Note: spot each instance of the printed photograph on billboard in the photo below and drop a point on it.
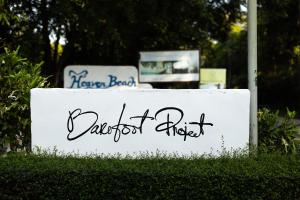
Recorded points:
(169, 66)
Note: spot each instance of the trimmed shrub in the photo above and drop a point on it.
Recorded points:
(17, 77)
(42, 177)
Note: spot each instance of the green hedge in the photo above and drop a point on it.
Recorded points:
(50, 177)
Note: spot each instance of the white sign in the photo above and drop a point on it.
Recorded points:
(169, 66)
(80, 76)
(145, 86)
(130, 122)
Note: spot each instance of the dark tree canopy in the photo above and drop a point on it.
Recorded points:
(114, 31)
(278, 54)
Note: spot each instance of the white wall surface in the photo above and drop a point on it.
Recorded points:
(70, 120)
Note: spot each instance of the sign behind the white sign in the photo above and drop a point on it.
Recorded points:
(131, 122)
(100, 77)
(169, 66)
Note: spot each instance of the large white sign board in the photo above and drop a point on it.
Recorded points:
(169, 66)
(99, 77)
(137, 121)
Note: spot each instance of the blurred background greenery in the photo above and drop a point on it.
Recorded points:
(112, 32)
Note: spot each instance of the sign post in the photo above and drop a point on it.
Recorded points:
(252, 68)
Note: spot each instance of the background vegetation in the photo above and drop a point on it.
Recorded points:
(17, 77)
(277, 134)
(278, 54)
(113, 32)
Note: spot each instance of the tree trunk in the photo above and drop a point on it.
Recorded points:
(47, 69)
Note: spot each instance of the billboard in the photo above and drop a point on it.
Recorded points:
(133, 122)
(169, 66)
(100, 77)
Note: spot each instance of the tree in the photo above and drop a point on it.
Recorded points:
(278, 54)
(113, 32)
(278, 60)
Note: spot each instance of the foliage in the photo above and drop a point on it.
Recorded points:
(17, 77)
(12, 25)
(278, 54)
(232, 55)
(241, 177)
(275, 133)
(113, 32)
(5, 16)
(278, 61)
